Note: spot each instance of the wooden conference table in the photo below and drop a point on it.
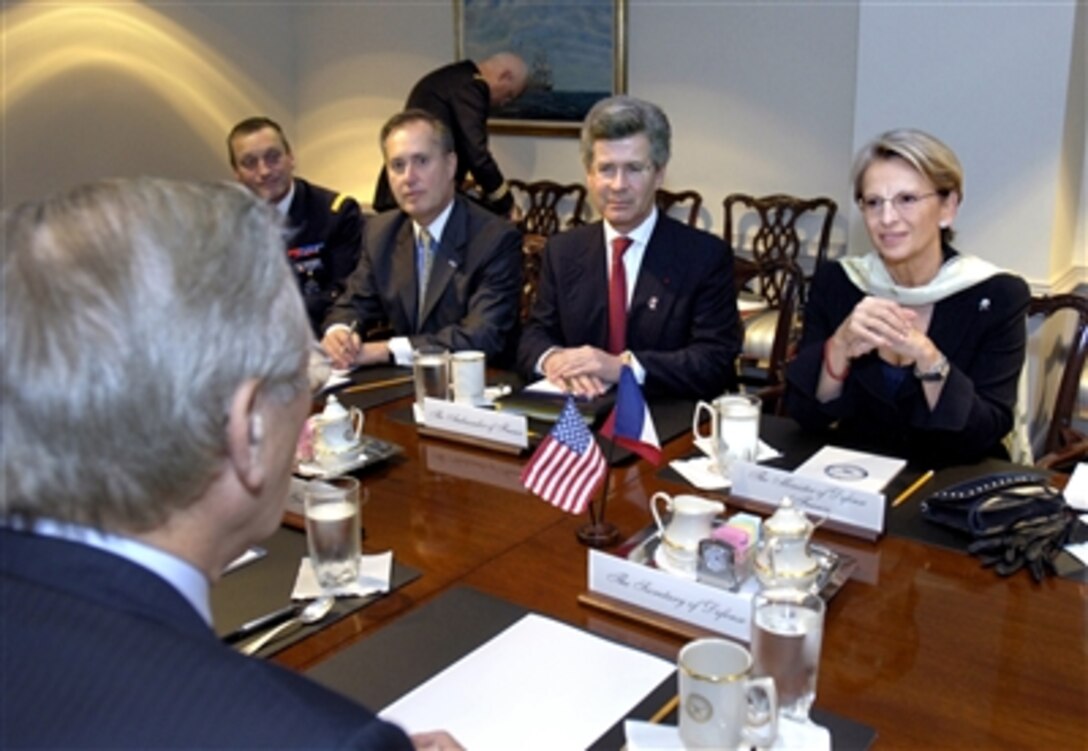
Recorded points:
(922, 644)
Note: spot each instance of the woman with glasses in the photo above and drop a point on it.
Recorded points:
(914, 349)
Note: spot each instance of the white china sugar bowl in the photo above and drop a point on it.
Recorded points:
(783, 558)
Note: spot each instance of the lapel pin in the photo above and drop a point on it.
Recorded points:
(984, 304)
(652, 303)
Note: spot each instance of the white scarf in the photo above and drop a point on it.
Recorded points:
(869, 274)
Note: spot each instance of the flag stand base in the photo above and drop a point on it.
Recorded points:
(600, 535)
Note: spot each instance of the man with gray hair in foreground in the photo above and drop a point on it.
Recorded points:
(154, 375)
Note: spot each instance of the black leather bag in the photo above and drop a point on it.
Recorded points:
(1016, 519)
(990, 506)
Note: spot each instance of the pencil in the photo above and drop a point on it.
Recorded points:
(662, 713)
(902, 497)
(399, 380)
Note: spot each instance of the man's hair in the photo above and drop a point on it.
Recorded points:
(252, 125)
(623, 116)
(399, 120)
(134, 309)
(927, 155)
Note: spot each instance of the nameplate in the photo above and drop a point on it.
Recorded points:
(853, 511)
(474, 422)
(690, 601)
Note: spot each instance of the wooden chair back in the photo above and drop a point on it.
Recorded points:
(769, 381)
(777, 240)
(532, 255)
(548, 207)
(1064, 444)
(688, 201)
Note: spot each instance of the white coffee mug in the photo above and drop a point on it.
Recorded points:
(721, 704)
(734, 429)
(467, 376)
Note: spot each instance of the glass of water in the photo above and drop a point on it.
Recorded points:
(787, 631)
(431, 370)
(333, 531)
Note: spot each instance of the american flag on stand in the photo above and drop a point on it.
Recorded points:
(568, 466)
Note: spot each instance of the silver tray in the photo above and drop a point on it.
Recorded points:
(372, 451)
(835, 568)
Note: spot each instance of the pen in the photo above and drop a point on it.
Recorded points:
(353, 331)
(902, 497)
(260, 623)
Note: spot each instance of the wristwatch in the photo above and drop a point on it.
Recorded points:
(937, 373)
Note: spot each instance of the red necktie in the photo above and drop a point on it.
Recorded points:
(617, 298)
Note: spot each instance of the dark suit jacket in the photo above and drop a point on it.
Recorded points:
(324, 232)
(474, 289)
(982, 332)
(682, 323)
(97, 652)
(458, 96)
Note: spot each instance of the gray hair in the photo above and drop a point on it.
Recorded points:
(134, 310)
(927, 155)
(622, 116)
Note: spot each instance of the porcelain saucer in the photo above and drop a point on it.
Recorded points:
(663, 561)
(345, 461)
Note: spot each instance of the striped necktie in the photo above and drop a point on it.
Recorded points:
(424, 262)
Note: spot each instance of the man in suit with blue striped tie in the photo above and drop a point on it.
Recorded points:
(437, 270)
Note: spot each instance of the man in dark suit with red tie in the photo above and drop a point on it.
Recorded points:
(438, 271)
(638, 288)
(155, 382)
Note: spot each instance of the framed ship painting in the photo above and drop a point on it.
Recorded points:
(575, 53)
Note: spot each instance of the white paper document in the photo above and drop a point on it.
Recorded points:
(543, 386)
(252, 554)
(540, 684)
(699, 470)
(859, 470)
(1078, 550)
(337, 378)
(803, 736)
(1076, 490)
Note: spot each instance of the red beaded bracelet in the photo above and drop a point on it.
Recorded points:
(840, 377)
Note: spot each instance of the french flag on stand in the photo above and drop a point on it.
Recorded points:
(630, 424)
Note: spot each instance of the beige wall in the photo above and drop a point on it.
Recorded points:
(993, 82)
(763, 97)
(95, 90)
